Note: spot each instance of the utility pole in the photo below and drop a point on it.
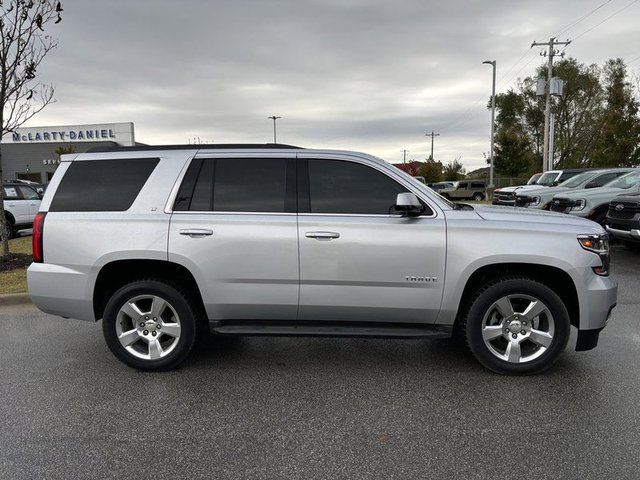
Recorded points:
(432, 135)
(404, 155)
(547, 108)
(493, 118)
(274, 118)
(552, 132)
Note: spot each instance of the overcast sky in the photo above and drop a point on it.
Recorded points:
(354, 74)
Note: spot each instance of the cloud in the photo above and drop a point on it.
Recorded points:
(354, 74)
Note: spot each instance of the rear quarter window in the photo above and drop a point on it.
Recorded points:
(102, 185)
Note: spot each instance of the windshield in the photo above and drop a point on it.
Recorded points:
(534, 179)
(626, 181)
(573, 182)
(548, 179)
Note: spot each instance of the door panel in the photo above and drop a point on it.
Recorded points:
(234, 225)
(31, 201)
(358, 260)
(247, 267)
(387, 269)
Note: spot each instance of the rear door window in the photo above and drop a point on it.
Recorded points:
(29, 193)
(251, 185)
(102, 185)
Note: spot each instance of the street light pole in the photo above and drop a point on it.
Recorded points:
(274, 118)
(493, 118)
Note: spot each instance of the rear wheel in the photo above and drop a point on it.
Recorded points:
(150, 325)
(478, 197)
(516, 326)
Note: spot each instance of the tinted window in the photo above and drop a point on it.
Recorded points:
(237, 185)
(477, 185)
(345, 187)
(203, 192)
(10, 193)
(29, 193)
(102, 185)
(566, 175)
(250, 185)
(462, 184)
(606, 178)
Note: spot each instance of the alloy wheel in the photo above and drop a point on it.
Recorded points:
(148, 327)
(518, 328)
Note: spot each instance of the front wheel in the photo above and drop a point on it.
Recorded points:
(516, 325)
(150, 325)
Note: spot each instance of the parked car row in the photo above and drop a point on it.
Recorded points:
(610, 197)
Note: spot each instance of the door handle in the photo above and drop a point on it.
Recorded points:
(196, 232)
(322, 235)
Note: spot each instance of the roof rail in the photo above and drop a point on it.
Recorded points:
(206, 146)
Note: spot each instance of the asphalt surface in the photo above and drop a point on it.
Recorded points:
(317, 408)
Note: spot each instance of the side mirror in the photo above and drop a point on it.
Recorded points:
(591, 184)
(408, 204)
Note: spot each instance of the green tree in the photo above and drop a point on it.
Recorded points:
(64, 149)
(453, 171)
(431, 171)
(513, 155)
(618, 139)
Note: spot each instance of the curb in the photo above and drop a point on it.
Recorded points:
(14, 299)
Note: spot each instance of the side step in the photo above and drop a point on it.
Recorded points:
(329, 329)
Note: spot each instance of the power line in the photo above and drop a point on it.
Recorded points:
(605, 19)
(583, 17)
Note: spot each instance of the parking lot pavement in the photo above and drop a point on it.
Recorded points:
(317, 408)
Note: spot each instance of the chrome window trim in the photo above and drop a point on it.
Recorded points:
(348, 157)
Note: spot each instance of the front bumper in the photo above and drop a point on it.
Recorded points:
(631, 234)
(597, 301)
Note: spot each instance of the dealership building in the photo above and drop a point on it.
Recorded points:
(30, 153)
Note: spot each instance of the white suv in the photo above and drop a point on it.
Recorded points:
(21, 203)
(165, 243)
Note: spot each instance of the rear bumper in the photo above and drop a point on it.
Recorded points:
(60, 291)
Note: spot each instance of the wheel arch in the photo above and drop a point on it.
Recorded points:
(9, 216)
(118, 273)
(553, 277)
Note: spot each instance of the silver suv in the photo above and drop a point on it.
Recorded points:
(166, 243)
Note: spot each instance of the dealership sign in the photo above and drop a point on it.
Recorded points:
(64, 135)
(120, 133)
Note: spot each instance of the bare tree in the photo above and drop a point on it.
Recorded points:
(23, 46)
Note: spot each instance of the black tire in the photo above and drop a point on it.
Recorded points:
(8, 230)
(180, 301)
(478, 197)
(480, 304)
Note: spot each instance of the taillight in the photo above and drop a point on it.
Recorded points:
(37, 237)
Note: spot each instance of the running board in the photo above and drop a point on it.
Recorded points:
(329, 329)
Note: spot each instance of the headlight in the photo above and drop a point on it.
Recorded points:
(598, 244)
(579, 204)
